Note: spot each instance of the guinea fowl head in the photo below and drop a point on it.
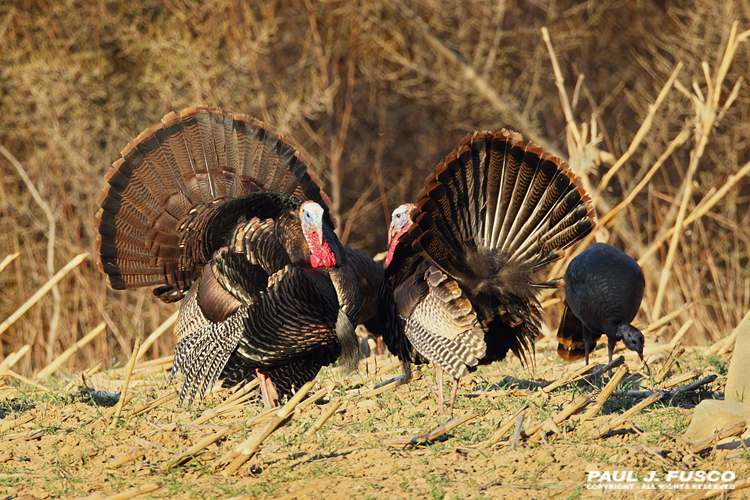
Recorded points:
(400, 223)
(632, 337)
(317, 235)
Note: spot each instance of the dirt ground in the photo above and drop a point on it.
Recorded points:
(68, 447)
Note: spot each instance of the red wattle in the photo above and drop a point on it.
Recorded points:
(394, 243)
(322, 256)
(389, 257)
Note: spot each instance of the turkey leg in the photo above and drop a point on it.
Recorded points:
(588, 343)
(439, 378)
(611, 347)
(267, 390)
(454, 391)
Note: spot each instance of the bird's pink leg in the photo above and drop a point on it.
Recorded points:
(439, 378)
(380, 347)
(267, 390)
(454, 391)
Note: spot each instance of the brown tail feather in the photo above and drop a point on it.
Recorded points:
(570, 336)
(536, 204)
(571, 346)
(527, 202)
(433, 239)
(453, 196)
(195, 145)
(539, 223)
(505, 159)
(171, 152)
(568, 231)
(178, 170)
(524, 178)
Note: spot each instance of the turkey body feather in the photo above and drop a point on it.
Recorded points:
(603, 292)
(464, 260)
(221, 210)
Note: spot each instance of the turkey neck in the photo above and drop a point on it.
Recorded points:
(350, 303)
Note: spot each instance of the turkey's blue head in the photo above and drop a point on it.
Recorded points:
(632, 337)
(317, 234)
(400, 223)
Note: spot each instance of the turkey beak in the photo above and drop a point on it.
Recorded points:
(640, 342)
(391, 234)
(317, 235)
(317, 228)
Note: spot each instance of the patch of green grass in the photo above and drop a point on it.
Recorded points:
(405, 485)
(13, 479)
(15, 407)
(577, 493)
(437, 482)
(62, 483)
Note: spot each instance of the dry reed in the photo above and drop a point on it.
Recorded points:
(242, 453)
(126, 384)
(606, 393)
(620, 419)
(433, 434)
(125, 495)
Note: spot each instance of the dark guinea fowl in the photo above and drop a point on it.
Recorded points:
(603, 291)
(221, 210)
(464, 261)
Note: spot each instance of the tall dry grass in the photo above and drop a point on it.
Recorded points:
(366, 90)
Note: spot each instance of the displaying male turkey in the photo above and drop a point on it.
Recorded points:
(221, 210)
(461, 279)
(603, 291)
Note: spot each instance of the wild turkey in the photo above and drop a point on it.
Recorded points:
(460, 287)
(603, 291)
(221, 210)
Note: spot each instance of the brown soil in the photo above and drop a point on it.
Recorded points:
(65, 450)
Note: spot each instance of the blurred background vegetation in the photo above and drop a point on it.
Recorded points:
(363, 89)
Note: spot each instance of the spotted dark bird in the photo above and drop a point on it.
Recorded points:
(603, 291)
(465, 261)
(220, 211)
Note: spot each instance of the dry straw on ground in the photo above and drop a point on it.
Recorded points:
(342, 436)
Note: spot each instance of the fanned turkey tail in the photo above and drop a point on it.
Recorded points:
(493, 215)
(177, 175)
